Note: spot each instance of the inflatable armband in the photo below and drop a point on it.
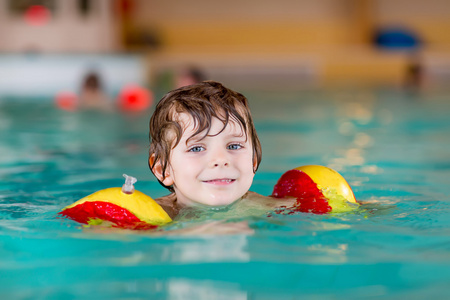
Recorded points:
(122, 207)
(318, 189)
(66, 101)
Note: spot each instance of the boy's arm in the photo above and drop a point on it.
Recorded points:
(169, 204)
(270, 201)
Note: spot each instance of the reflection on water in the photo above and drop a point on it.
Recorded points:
(183, 289)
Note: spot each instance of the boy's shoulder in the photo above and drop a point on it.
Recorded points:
(169, 204)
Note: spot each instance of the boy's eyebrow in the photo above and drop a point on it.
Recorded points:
(198, 138)
(195, 138)
(232, 135)
(242, 134)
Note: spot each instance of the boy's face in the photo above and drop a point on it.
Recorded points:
(216, 170)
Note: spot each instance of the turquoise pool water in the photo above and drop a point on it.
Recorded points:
(391, 146)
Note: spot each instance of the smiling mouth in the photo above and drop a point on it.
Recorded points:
(223, 181)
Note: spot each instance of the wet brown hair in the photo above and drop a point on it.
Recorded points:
(202, 101)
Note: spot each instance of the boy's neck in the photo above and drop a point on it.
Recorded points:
(201, 206)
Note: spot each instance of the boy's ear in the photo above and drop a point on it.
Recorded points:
(157, 171)
(255, 163)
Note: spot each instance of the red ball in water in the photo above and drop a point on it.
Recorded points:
(318, 189)
(66, 101)
(135, 98)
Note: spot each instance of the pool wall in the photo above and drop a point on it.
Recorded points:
(46, 75)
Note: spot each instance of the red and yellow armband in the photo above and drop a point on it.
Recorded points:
(122, 207)
(318, 189)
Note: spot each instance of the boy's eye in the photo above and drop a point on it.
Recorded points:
(196, 149)
(234, 146)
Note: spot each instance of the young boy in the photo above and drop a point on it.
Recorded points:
(204, 148)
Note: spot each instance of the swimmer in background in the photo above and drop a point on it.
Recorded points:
(205, 150)
(92, 96)
(188, 76)
(414, 75)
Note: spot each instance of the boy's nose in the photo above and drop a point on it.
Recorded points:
(220, 159)
(217, 164)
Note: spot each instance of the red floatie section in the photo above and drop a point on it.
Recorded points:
(106, 211)
(295, 183)
(66, 101)
(135, 98)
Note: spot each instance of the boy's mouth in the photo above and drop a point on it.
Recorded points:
(222, 181)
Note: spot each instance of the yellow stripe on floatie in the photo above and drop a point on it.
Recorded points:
(330, 182)
(138, 203)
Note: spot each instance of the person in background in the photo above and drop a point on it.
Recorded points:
(92, 96)
(188, 76)
(414, 74)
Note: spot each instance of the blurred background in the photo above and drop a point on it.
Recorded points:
(356, 85)
(48, 46)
